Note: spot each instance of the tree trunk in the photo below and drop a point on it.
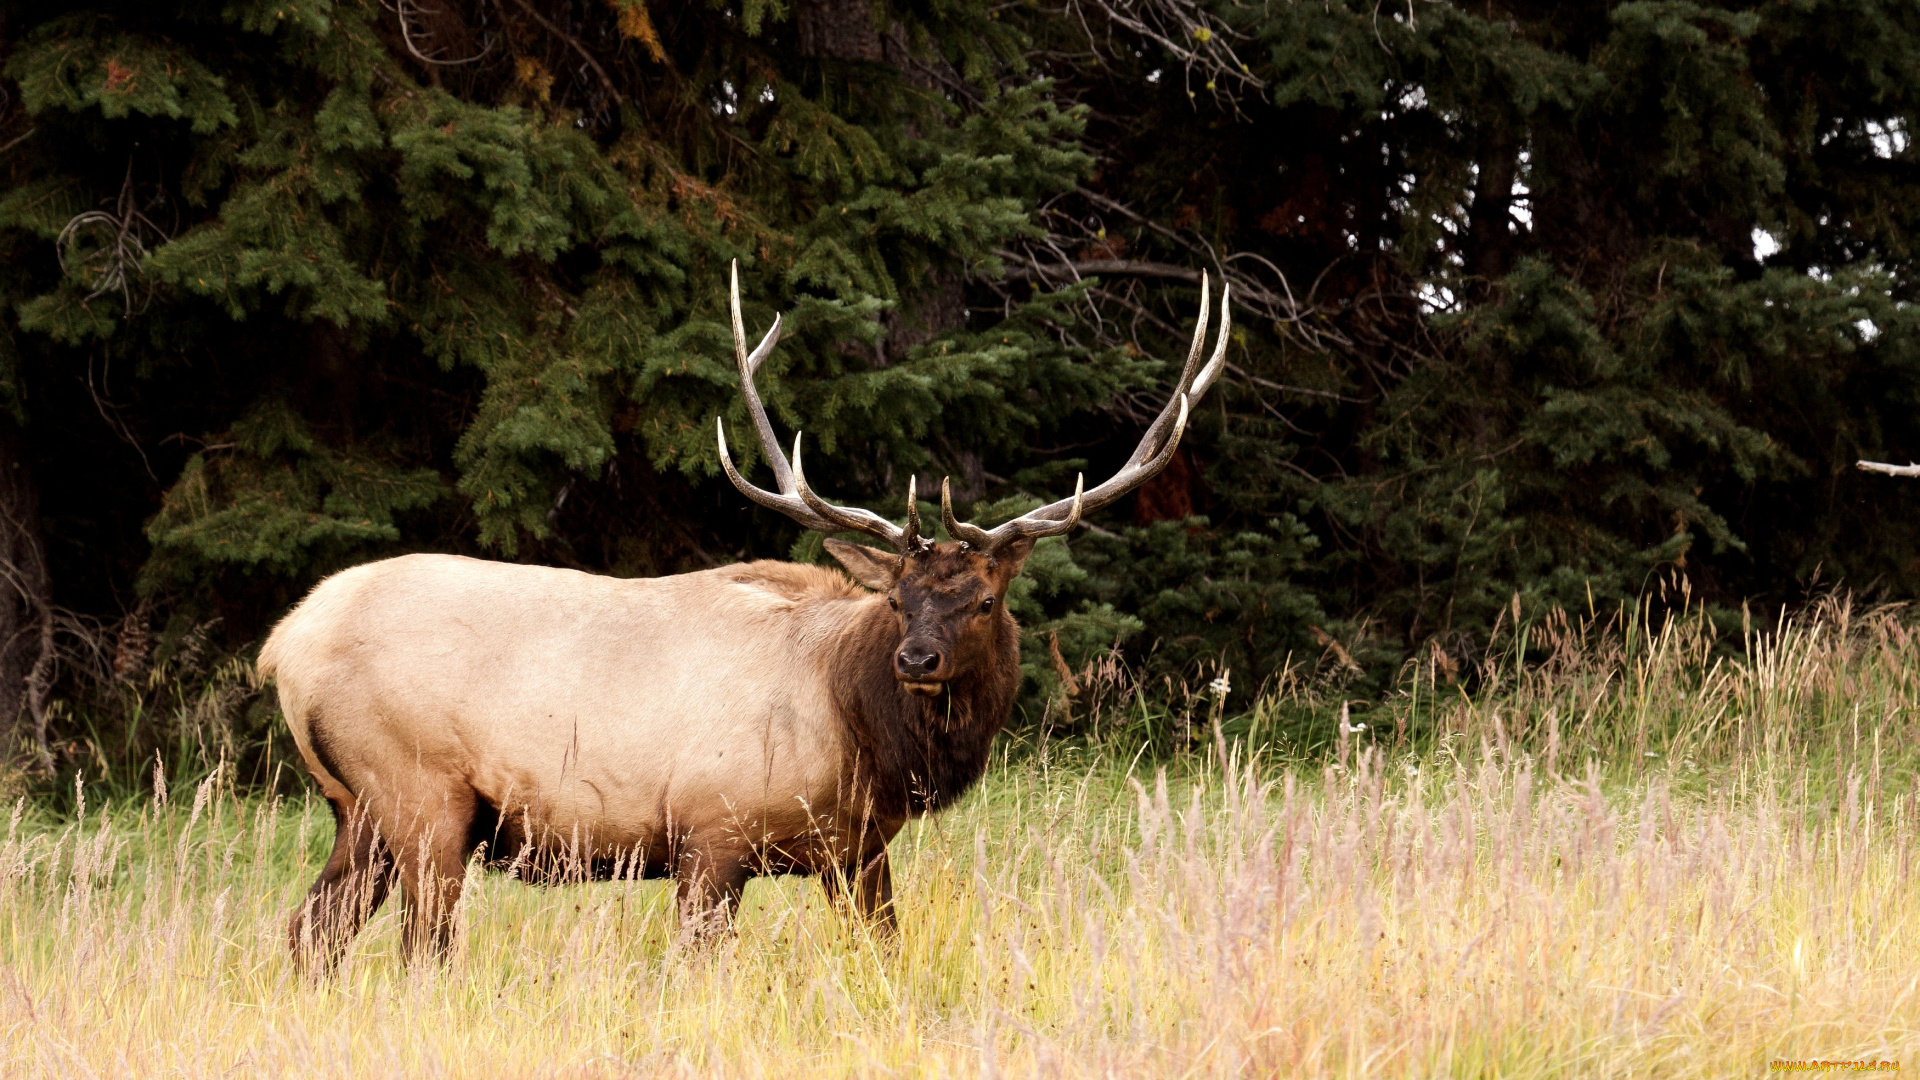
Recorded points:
(846, 30)
(26, 616)
(839, 30)
(1168, 496)
(1490, 219)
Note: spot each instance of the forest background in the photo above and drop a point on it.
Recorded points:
(1536, 306)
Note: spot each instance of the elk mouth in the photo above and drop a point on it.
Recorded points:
(923, 687)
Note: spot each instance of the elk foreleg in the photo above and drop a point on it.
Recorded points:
(349, 890)
(866, 888)
(711, 880)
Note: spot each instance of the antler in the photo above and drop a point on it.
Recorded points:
(799, 502)
(795, 499)
(1155, 450)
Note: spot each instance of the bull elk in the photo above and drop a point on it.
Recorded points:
(761, 718)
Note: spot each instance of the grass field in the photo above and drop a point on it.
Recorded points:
(1646, 852)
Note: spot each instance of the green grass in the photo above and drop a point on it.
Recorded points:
(1646, 851)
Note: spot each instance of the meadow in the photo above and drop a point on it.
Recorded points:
(1639, 847)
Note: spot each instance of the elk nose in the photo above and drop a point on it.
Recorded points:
(917, 665)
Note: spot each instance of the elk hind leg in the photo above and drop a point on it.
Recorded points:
(866, 888)
(430, 857)
(351, 887)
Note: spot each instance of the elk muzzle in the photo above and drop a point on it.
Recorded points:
(918, 667)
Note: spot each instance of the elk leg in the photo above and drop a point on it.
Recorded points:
(431, 860)
(349, 890)
(867, 889)
(710, 883)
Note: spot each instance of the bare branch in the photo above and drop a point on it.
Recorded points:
(1106, 267)
(1196, 40)
(1890, 470)
(605, 79)
(17, 140)
(120, 245)
(1274, 306)
(406, 35)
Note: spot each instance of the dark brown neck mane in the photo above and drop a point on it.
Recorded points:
(916, 754)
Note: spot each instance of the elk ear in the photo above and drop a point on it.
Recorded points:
(875, 569)
(1009, 559)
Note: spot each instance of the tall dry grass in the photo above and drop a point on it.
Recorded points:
(1646, 853)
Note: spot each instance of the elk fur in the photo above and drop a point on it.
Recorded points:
(710, 726)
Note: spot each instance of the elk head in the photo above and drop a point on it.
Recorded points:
(950, 599)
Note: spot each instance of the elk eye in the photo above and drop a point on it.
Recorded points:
(986, 605)
(893, 602)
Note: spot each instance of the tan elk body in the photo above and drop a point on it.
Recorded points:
(567, 696)
(761, 718)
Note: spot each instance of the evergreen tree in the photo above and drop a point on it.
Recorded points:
(1543, 303)
(293, 285)
(1534, 303)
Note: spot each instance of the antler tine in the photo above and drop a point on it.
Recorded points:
(914, 533)
(1155, 450)
(1199, 335)
(1150, 444)
(971, 535)
(789, 505)
(749, 365)
(1035, 528)
(850, 518)
(765, 348)
(1198, 388)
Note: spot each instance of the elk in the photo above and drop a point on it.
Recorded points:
(760, 718)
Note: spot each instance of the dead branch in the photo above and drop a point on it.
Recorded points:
(1086, 244)
(1890, 470)
(114, 261)
(606, 80)
(406, 36)
(1048, 263)
(1127, 267)
(1199, 42)
(17, 140)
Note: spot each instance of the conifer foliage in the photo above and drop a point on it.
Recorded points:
(295, 284)
(1538, 304)
(1547, 303)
